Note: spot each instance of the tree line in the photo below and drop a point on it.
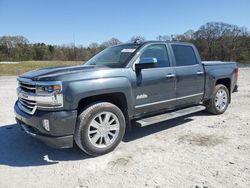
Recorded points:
(214, 40)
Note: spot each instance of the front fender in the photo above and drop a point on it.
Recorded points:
(78, 90)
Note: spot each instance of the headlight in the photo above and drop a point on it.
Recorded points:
(49, 96)
(50, 101)
(48, 89)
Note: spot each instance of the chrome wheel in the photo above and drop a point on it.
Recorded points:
(221, 100)
(103, 129)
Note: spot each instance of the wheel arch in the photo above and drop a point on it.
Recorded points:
(117, 98)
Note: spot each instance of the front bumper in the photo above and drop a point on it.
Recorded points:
(62, 126)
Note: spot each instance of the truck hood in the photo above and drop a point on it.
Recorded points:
(56, 72)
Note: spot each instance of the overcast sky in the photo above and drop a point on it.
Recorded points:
(64, 21)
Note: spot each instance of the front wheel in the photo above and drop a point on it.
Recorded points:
(219, 101)
(100, 128)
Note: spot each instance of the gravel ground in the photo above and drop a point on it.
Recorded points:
(198, 150)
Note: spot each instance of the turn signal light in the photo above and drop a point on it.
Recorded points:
(56, 87)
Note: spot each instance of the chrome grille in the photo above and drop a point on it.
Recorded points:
(27, 87)
(26, 108)
(28, 103)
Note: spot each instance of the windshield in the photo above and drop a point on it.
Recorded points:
(114, 57)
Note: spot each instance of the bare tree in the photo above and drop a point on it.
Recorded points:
(163, 38)
(111, 42)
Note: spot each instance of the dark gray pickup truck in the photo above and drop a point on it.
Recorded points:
(135, 83)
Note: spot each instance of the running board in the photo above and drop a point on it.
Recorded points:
(169, 115)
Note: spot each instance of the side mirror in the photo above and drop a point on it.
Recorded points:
(145, 63)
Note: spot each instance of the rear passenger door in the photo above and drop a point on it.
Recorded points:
(189, 75)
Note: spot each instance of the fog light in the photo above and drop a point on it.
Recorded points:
(46, 124)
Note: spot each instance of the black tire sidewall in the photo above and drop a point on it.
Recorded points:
(87, 146)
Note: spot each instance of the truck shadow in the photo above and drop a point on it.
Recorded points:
(139, 132)
(20, 150)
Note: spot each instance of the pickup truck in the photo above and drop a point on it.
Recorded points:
(128, 84)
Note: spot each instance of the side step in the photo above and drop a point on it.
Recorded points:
(169, 115)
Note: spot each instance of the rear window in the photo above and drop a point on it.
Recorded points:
(184, 55)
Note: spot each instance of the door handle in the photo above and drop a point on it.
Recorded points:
(170, 76)
(199, 72)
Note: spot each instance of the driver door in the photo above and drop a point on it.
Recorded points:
(154, 88)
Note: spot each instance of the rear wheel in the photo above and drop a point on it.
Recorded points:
(100, 128)
(219, 101)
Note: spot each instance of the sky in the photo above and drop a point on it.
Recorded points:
(82, 22)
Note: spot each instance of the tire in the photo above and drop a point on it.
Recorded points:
(101, 120)
(219, 101)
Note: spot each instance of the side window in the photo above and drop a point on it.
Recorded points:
(158, 51)
(184, 55)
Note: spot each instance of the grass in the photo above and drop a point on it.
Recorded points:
(25, 66)
(244, 64)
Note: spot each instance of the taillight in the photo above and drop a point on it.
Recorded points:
(236, 72)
